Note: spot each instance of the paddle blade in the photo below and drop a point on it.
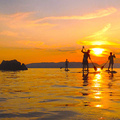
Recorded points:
(102, 67)
(95, 68)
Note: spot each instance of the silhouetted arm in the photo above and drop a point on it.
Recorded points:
(89, 57)
(82, 50)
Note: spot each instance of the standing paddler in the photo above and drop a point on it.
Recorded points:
(85, 58)
(111, 61)
(66, 65)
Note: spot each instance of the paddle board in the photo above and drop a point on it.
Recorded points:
(97, 72)
(111, 71)
(67, 70)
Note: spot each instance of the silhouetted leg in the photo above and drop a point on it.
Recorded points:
(83, 73)
(66, 67)
(87, 67)
(83, 67)
(112, 67)
(109, 66)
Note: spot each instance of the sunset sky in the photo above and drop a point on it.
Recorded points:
(54, 30)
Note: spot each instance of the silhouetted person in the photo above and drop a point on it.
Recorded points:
(85, 58)
(66, 65)
(111, 60)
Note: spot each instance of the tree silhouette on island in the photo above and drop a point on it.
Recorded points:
(12, 65)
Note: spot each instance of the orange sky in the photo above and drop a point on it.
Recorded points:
(43, 32)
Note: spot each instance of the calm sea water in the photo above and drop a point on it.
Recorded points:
(53, 94)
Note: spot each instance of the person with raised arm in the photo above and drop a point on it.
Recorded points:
(85, 58)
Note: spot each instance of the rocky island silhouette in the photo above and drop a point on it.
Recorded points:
(12, 65)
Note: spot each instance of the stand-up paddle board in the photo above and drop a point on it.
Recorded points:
(67, 70)
(96, 72)
(111, 71)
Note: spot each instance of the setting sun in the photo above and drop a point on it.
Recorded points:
(97, 51)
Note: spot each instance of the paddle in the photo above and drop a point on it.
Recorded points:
(103, 65)
(95, 68)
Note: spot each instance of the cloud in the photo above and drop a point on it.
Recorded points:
(27, 26)
(9, 33)
(101, 32)
(16, 16)
(97, 38)
(21, 20)
(96, 43)
(100, 13)
(67, 50)
(97, 14)
(26, 19)
(30, 43)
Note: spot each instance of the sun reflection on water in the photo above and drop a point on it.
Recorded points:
(97, 81)
(98, 105)
(98, 69)
(97, 93)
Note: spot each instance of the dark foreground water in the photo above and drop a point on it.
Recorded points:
(53, 94)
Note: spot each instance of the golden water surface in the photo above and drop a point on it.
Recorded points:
(53, 94)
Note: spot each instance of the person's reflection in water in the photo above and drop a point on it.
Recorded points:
(111, 82)
(66, 74)
(85, 79)
(111, 76)
(85, 83)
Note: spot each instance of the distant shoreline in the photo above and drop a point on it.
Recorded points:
(62, 65)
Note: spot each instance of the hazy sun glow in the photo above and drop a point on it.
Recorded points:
(98, 43)
(98, 105)
(54, 36)
(97, 51)
(98, 69)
